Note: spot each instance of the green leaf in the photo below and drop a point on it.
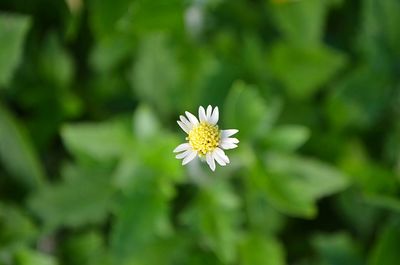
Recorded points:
(56, 63)
(294, 184)
(347, 107)
(261, 215)
(138, 17)
(104, 16)
(337, 249)
(168, 251)
(287, 137)
(357, 212)
(386, 249)
(141, 218)
(100, 141)
(301, 22)
(17, 153)
(252, 120)
(88, 248)
(258, 250)
(155, 16)
(200, 258)
(379, 35)
(214, 220)
(155, 161)
(13, 29)
(27, 256)
(83, 197)
(145, 123)
(156, 74)
(147, 179)
(16, 228)
(303, 70)
(371, 177)
(336, 3)
(387, 202)
(109, 52)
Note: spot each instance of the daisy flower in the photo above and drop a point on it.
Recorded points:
(205, 139)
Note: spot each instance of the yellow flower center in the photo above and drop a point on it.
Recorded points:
(204, 138)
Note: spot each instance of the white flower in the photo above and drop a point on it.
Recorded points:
(204, 138)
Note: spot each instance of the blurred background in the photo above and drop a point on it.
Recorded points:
(90, 92)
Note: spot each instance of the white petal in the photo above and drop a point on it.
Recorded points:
(189, 157)
(214, 117)
(183, 126)
(230, 140)
(227, 133)
(210, 161)
(192, 118)
(183, 154)
(209, 111)
(181, 147)
(219, 152)
(218, 159)
(226, 146)
(186, 122)
(202, 114)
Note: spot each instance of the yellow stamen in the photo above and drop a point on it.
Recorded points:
(204, 138)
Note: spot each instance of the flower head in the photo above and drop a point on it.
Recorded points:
(205, 139)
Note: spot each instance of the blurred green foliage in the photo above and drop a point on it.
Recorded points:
(89, 94)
